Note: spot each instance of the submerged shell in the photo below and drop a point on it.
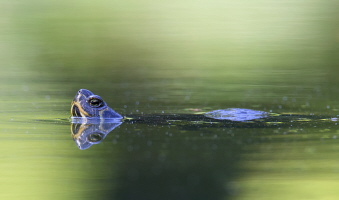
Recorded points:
(236, 114)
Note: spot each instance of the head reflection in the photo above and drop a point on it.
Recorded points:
(85, 135)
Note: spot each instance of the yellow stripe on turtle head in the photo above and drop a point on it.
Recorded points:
(77, 105)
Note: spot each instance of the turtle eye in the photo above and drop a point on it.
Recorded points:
(95, 102)
(95, 137)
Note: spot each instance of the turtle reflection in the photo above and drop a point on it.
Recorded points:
(85, 135)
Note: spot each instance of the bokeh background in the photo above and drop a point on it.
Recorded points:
(161, 57)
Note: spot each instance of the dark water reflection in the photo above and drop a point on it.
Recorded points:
(176, 167)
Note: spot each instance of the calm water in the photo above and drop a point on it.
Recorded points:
(146, 57)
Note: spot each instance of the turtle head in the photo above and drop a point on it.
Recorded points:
(88, 105)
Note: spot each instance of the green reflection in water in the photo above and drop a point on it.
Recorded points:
(154, 57)
(301, 164)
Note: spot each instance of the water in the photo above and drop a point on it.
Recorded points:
(146, 57)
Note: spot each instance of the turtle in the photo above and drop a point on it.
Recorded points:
(92, 119)
(87, 107)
